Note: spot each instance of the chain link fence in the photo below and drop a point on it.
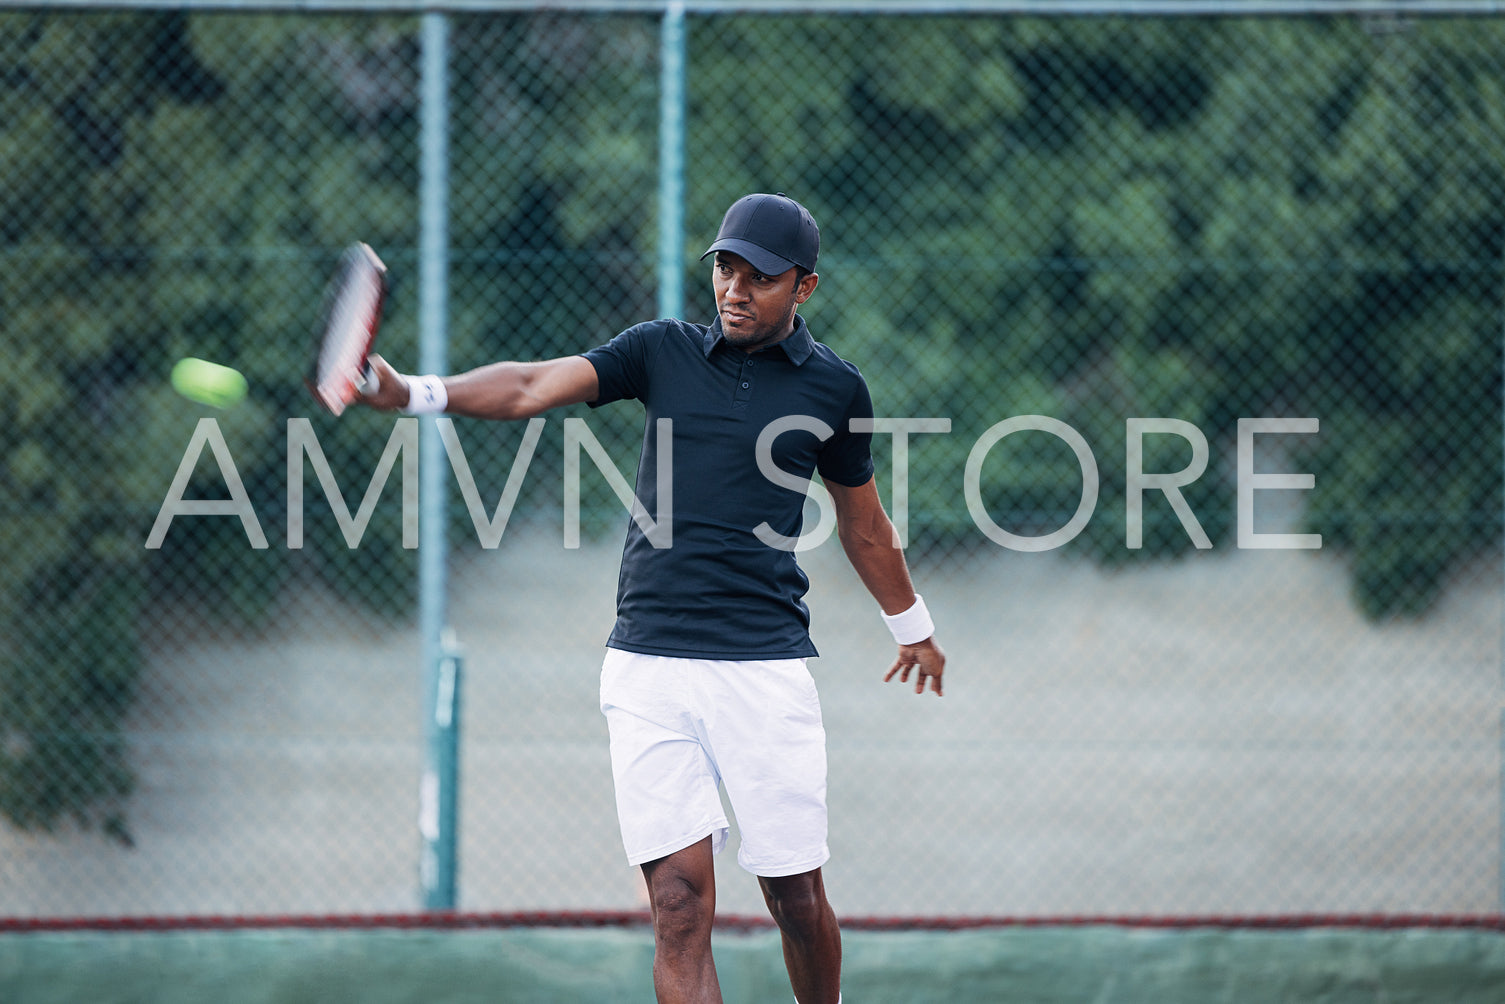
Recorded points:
(1242, 274)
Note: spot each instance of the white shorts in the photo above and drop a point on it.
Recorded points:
(680, 727)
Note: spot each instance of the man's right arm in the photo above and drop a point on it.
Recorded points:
(505, 390)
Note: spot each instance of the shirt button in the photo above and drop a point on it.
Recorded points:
(744, 385)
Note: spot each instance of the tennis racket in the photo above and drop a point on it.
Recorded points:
(352, 313)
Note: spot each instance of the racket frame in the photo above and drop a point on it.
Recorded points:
(333, 383)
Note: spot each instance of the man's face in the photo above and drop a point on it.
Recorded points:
(756, 310)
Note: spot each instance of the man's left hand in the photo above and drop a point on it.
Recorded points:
(925, 659)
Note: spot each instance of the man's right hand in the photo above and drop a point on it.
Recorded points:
(391, 393)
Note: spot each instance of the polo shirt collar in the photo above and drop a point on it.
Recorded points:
(798, 346)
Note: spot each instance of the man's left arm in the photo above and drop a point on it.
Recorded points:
(872, 546)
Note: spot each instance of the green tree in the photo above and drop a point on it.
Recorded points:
(1197, 218)
(168, 193)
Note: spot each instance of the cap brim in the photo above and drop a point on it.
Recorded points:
(758, 257)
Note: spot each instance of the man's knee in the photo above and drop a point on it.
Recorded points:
(680, 907)
(796, 902)
(682, 894)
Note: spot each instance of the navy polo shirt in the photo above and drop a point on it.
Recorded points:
(717, 591)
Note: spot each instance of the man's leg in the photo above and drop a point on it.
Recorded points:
(682, 894)
(812, 939)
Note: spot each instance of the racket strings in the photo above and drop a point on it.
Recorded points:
(352, 315)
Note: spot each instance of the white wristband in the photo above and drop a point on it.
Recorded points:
(913, 625)
(426, 395)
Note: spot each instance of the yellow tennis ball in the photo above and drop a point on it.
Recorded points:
(208, 383)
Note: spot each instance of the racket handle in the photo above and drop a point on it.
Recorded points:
(369, 383)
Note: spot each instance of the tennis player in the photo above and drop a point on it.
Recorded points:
(705, 678)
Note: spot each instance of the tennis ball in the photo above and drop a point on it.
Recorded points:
(208, 383)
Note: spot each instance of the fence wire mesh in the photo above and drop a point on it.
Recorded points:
(1218, 250)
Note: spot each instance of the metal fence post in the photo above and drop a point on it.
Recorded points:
(437, 804)
(671, 162)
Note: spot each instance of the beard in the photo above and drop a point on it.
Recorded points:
(750, 333)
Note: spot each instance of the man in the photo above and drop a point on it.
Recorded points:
(711, 630)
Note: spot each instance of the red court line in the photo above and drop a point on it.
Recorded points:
(458, 920)
(1379, 921)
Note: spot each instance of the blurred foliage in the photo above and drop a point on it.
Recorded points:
(1093, 219)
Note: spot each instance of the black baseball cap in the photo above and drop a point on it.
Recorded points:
(773, 232)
